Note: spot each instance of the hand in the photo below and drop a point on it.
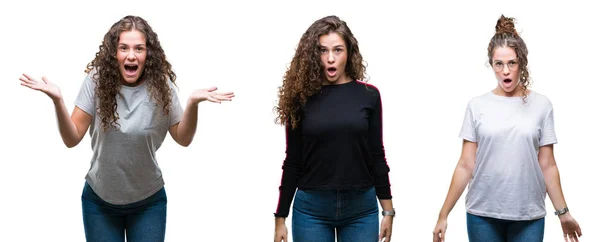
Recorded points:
(570, 227)
(439, 232)
(210, 95)
(44, 86)
(280, 232)
(386, 228)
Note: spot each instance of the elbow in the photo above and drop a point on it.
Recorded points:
(547, 167)
(184, 143)
(292, 167)
(182, 140)
(70, 144)
(466, 165)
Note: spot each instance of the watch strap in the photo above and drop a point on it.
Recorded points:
(389, 213)
(561, 211)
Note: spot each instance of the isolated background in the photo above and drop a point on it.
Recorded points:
(427, 59)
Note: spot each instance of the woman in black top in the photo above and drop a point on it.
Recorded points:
(335, 155)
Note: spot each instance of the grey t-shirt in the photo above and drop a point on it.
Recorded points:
(124, 168)
(507, 181)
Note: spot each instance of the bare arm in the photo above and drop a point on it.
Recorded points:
(386, 204)
(460, 179)
(385, 230)
(73, 128)
(547, 162)
(551, 176)
(183, 132)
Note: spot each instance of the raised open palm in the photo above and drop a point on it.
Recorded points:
(210, 95)
(44, 86)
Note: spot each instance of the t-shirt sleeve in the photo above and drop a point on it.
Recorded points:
(176, 113)
(86, 98)
(468, 132)
(548, 135)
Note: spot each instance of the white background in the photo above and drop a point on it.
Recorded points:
(427, 59)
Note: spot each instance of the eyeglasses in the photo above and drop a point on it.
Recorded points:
(512, 65)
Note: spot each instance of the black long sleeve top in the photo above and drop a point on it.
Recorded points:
(337, 145)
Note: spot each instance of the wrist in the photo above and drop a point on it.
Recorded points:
(279, 220)
(561, 211)
(564, 216)
(389, 213)
(192, 103)
(57, 100)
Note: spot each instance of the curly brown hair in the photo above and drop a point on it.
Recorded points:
(506, 36)
(305, 74)
(157, 71)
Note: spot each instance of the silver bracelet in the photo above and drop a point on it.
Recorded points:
(561, 211)
(389, 213)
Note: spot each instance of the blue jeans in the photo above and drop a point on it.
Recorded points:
(143, 221)
(498, 230)
(319, 215)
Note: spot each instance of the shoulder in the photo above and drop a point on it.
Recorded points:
(171, 84)
(479, 99)
(368, 88)
(91, 77)
(540, 99)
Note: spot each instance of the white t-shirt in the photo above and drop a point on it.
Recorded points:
(507, 181)
(124, 168)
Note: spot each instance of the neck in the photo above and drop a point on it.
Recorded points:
(135, 84)
(518, 91)
(342, 80)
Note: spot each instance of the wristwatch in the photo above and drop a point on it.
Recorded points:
(561, 211)
(389, 213)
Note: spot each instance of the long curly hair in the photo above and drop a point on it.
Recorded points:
(506, 36)
(305, 74)
(157, 71)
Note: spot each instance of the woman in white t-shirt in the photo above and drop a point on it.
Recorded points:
(507, 156)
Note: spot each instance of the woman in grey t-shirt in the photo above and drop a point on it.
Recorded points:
(129, 103)
(507, 156)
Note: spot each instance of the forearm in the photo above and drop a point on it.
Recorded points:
(386, 204)
(279, 220)
(187, 127)
(552, 179)
(67, 128)
(460, 179)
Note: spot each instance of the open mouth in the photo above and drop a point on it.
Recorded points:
(331, 71)
(507, 81)
(131, 69)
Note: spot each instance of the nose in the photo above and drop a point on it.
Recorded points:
(131, 56)
(330, 58)
(505, 70)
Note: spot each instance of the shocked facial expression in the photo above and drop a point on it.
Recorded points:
(131, 55)
(506, 68)
(334, 55)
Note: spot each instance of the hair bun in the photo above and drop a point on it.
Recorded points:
(506, 26)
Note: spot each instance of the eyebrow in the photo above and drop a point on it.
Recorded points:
(337, 46)
(138, 45)
(508, 60)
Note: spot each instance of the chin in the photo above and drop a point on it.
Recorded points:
(129, 80)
